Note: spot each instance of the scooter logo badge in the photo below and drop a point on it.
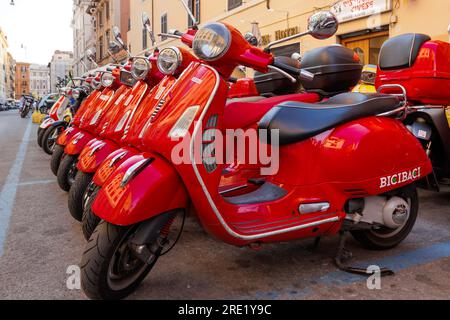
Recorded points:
(400, 178)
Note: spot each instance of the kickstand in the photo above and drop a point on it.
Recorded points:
(343, 255)
(315, 245)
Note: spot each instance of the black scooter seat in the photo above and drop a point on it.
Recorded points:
(297, 121)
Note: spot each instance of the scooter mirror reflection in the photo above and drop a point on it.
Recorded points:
(114, 47)
(148, 26)
(118, 36)
(323, 25)
(250, 37)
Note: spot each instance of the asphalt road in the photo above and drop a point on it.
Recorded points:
(39, 242)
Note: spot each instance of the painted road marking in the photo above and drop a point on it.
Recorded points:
(8, 193)
(397, 263)
(33, 183)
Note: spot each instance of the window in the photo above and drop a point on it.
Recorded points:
(144, 39)
(129, 24)
(194, 5)
(234, 4)
(164, 25)
(100, 19)
(107, 10)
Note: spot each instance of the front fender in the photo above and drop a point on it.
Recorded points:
(67, 135)
(111, 163)
(155, 189)
(77, 143)
(47, 123)
(57, 124)
(93, 155)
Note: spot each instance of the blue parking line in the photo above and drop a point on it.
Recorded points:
(397, 263)
(9, 191)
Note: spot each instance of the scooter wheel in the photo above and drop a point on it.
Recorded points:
(90, 221)
(58, 152)
(40, 135)
(109, 270)
(49, 140)
(67, 171)
(384, 238)
(76, 194)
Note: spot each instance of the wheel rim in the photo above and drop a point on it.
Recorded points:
(72, 173)
(125, 268)
(385, 232)
(52, 140)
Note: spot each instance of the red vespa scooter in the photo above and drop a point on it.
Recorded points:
(77, 122)
(108, 139)
(337, 173)
(246, 105)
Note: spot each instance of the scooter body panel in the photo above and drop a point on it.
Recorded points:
(155, 190)
(67, 135)
(78, 142)
(94, 154)
(47, 123)
(112, 163)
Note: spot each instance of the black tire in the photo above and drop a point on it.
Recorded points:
(90, 221)
(76, 194)
(24, 113)
(376, 240)
(40, 135)
(58, 152)
(67, 172)
(48, 141)
(98, 262)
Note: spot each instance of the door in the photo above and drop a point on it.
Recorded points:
(367, 46)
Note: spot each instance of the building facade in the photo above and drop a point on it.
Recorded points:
(83, 35)
(39, 80)
(3, 65)
(60, 66)
(10, 77)
(364, 24)
(22, 79)
(107, 14)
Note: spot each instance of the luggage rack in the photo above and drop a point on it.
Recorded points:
(404, 108)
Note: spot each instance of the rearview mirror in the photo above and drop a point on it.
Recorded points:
(148, 26)
(323, 25)
(118, 36)
(114, 47)
(90, 54)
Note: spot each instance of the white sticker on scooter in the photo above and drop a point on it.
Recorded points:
(104, 97)
(120, 99)
(129, 100)
(160, 93)
(197, 80)
(400, 178)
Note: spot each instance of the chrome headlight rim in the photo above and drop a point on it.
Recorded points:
(196, 45)
(107, 79)
(133, 69)
(175, 66)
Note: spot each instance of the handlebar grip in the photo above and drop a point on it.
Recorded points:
(306, 75)
(178, 33)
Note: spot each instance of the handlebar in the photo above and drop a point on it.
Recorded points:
(288, 71)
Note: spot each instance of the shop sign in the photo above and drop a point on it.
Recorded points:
(347, 10)
(280, 34)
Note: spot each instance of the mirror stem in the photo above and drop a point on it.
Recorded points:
(295, 36)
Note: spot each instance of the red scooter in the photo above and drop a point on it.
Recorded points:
(420, 67)
(239, 113)
(346, 164)
(77, 122)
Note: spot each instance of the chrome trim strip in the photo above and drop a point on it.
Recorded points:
(117, 158)
(208, 195)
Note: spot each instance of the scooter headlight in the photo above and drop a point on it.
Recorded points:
(140, 68)
(169, 59)
(107, 79)
(212, 42)
(75, 94)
